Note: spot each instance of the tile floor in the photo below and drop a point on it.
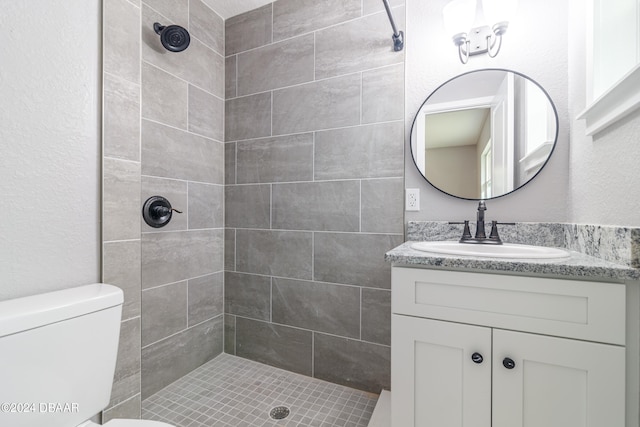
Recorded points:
(236, 392)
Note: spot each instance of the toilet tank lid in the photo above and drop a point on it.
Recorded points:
(21, 314)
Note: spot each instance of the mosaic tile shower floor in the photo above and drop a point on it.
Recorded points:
(236, 392)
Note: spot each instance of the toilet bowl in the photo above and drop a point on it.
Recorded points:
(59, 354)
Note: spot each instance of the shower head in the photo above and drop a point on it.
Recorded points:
(174, 38)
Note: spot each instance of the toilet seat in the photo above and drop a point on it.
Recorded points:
(136, 423)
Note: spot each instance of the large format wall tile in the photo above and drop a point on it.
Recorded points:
(164, 97)
(277, 253)
(230, 86)
(294, 17)
(121, 119)
(126, 379)
(172, 190)
(248, 117)
(370, 151)
(172, 153)
(280, 159)
(229, 249)
(331, 206)
(230, 163)
(121, 45)
(170, 359)
(174, 10)
(372, 6)
(352, 363)
(383, 94)
(277, 65)
(206, 205)
(198, 64)
(121, 267)
(325, 104)
(351, 258)
(230, 334)
(206, 25)
(369, 46)
(381, 205)
(179, 255)
(248, 30)
(376, 316)
(317, 306)
(206, 114)
(206, 297)
(276, 345)
(247, 295)
(129, 409)
(164, 311)
(248, 206)
(121, 200)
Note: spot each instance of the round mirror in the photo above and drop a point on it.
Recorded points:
(484, 134)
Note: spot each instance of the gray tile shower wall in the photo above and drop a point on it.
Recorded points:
(313, 187)
(163, 135)
(121, 182)
(182, 159)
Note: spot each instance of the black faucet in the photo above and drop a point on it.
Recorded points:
(481, 235)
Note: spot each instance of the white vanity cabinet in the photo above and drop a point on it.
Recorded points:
(487, 350)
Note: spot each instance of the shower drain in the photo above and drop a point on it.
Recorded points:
(279, 412)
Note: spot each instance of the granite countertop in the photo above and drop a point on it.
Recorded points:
(577, 266)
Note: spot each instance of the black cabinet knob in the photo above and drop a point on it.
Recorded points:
(508, 363)
(477, 358)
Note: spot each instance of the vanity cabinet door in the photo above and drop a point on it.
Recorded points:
(441, 374)
(556, 382)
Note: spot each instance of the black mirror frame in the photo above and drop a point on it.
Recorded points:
(555, 143)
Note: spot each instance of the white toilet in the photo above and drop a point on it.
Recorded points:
(57, 358)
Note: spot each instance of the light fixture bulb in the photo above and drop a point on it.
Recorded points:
(498, 13)
(459, 16)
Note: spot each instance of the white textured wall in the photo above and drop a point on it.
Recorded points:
(605, 168)
(49, 145)
(535, 45)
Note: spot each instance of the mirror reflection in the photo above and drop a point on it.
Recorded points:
(484, 134)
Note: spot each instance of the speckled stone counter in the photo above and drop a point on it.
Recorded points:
(616, 249)
(578, 266)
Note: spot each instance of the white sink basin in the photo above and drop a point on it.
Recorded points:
(506, 250)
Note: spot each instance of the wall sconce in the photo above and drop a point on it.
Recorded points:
(460, 15)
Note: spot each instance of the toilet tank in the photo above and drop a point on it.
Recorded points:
(57, 355)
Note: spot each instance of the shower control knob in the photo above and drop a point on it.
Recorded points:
(477, 358)
(508, 363)
(157, 211)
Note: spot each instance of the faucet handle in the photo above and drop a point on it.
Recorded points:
(494, 229)
(466, 233)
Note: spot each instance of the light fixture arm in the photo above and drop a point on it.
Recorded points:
(462, 42)
(491, 41)
(498, 30)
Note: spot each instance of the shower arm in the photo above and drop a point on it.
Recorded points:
(398, 36)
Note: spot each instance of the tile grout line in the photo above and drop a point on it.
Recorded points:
(304, 132)
(361, 313)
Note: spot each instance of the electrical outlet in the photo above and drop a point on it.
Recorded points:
(412, 199)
